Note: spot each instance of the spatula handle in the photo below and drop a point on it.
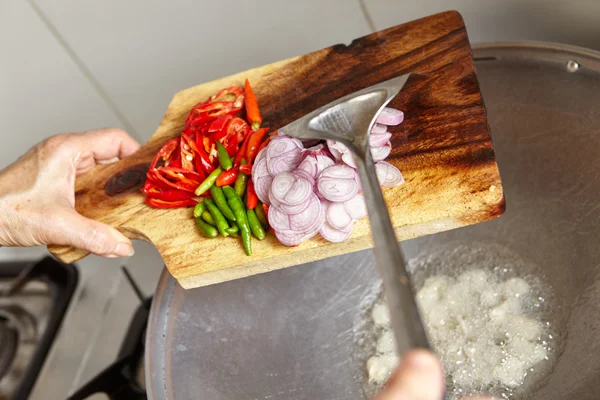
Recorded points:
(404, 314)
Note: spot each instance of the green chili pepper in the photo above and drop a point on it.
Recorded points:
(199, 209)
(208, 182)
(219, 199)
(260, 213)
(255, 226)
(241, 182)
(220, 220)
(233, 230)
(241, 219)
(208, 230)
(208, 218)
(224, 159)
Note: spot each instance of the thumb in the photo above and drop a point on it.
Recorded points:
(92, 236)
(419, 377)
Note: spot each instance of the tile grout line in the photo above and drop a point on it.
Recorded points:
(87, 73)
(367, 15)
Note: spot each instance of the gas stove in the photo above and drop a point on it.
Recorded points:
(33, 300)
(73, 331)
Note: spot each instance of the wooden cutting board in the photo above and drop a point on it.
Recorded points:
(443, 148)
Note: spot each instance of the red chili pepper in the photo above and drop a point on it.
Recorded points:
(254, 143)
(232, 146)
(234, 94)
(189, 151)
(251, 198)
(265, 143)
(220, 123)
(202, 161)
(157, 203)
(241, 153)
(206, 144)
(179, 178)
(168, 195)
(227, 177)
(239, 128)
(246, 169)
(252, 111)
(165, 153)
(266, 210)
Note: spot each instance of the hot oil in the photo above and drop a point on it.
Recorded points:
(462, 322)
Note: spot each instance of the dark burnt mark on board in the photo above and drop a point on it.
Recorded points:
(127, 180)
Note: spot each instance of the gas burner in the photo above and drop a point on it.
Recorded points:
(33, 300)
(9, 339)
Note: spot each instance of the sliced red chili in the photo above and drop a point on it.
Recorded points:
(157, 203)
(238, 127)
(179, 178)
(188, 152)
(234, 94)
(168, 195)
(165, 153)
(220, 123)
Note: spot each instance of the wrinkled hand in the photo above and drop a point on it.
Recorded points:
(37, 196)
(418, 377)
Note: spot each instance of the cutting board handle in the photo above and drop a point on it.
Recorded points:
(111, 194)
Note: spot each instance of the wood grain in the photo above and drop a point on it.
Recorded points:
(443, 148)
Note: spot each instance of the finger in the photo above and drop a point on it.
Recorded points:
(419, 377)
(95, 237)
(106, 144)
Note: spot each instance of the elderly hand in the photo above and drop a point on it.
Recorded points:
(37, 196)
(418, 377)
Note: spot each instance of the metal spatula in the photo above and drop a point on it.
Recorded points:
(349, 120)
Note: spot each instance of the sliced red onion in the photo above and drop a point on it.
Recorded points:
(379, 140)
(338, 183)
(261, 154)
(388, 175)
(281, 145)
(323, 162)
(302, 173)
(337, 155)
(381, 153)
(259, 169)
(338, 217)
(390, 116)
(378, 129)
(356, 207)
(293, 238)
(331, 234)
(291, 190)
(284, 163)
(305, 221)
(339, 171)
(262, 186)
(288, 209)
(309, 165)
(348, 158)
(278, 220)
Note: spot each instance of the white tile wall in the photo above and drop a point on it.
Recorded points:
(41, 90)
(144, 51)
(573, 22)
